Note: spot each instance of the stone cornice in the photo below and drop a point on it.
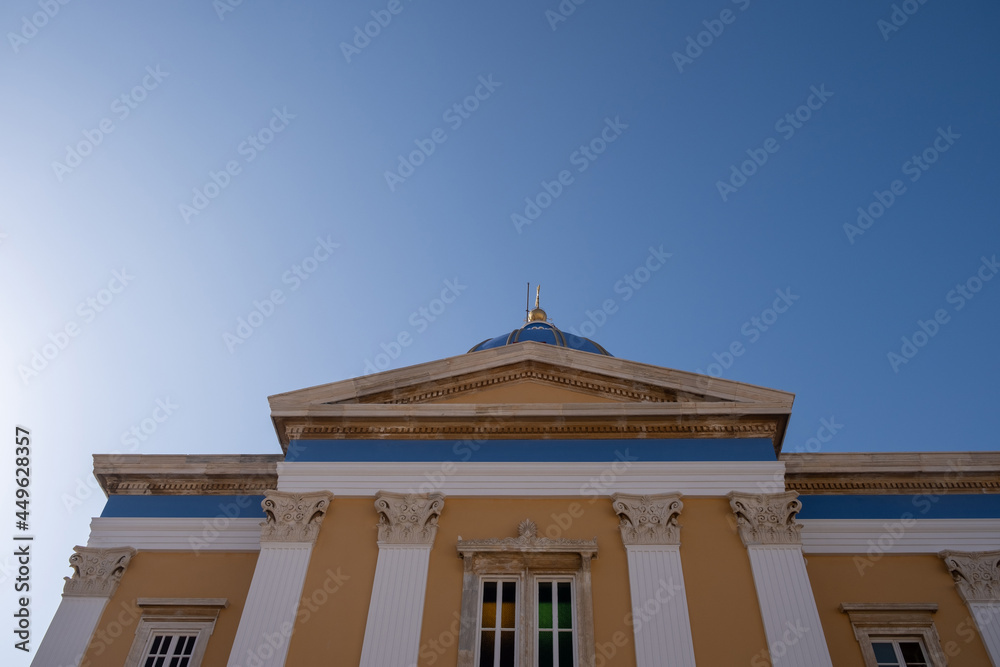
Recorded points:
(293, 517)
(767, 518)
(649, 519)
(893, 472)
(976, 574)
(96, 572)
(407, 518)
(529, 421)
(498, 359)
(135, 474)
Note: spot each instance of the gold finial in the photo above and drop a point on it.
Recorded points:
(537, 315)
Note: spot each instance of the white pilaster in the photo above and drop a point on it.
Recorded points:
(987, 615)
(96, 573)
(651, 534)
(977, 577)
(286, 543)
(767, 526)
(407, 526)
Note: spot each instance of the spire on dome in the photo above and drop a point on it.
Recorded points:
(537, 315)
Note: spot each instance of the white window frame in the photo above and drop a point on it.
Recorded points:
(894, 641)
(518, 610)
(174, 616)
(895, 622)
(535, 629)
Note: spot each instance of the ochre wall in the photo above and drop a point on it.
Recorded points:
(726, 624)
(481, 518)
(904, 578)
(161, 574)
(330, 626)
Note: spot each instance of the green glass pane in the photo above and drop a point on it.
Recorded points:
(486, 644)
(507, 648)
(565, 649)
(565, 605)
(884, 654)
(913, 655)
(545, 658)
(545, 604)
(489, 604)
(508, 605)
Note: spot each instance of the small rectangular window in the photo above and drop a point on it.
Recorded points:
(898, 653)
(556, 646)
(170, 651)
(498, 638)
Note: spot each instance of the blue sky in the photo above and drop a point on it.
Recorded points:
(609, 119)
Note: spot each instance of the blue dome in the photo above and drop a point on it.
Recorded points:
(542, 332)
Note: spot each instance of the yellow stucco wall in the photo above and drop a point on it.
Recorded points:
(726, 624)
(904, 578)
(716, 570)
(481, 518)
(173, 575)
(330, 625)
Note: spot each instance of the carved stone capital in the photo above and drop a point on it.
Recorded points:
(976, 574)
(767, 518)
(293, 517)
(648, 519)
(96, 572)
(408, 518)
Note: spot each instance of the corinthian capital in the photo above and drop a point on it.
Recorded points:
(767, 518)
(976, 574)
(648, 519)
(408, 518)
(293, 517)
(96, 572)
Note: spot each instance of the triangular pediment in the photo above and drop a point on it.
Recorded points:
(532, 368)
(536, 390)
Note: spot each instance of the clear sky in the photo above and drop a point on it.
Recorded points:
(167, 167)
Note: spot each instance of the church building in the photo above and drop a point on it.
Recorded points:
(536, 502)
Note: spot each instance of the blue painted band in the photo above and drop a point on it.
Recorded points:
(233, 507)
(922, 506)
(528, 451)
